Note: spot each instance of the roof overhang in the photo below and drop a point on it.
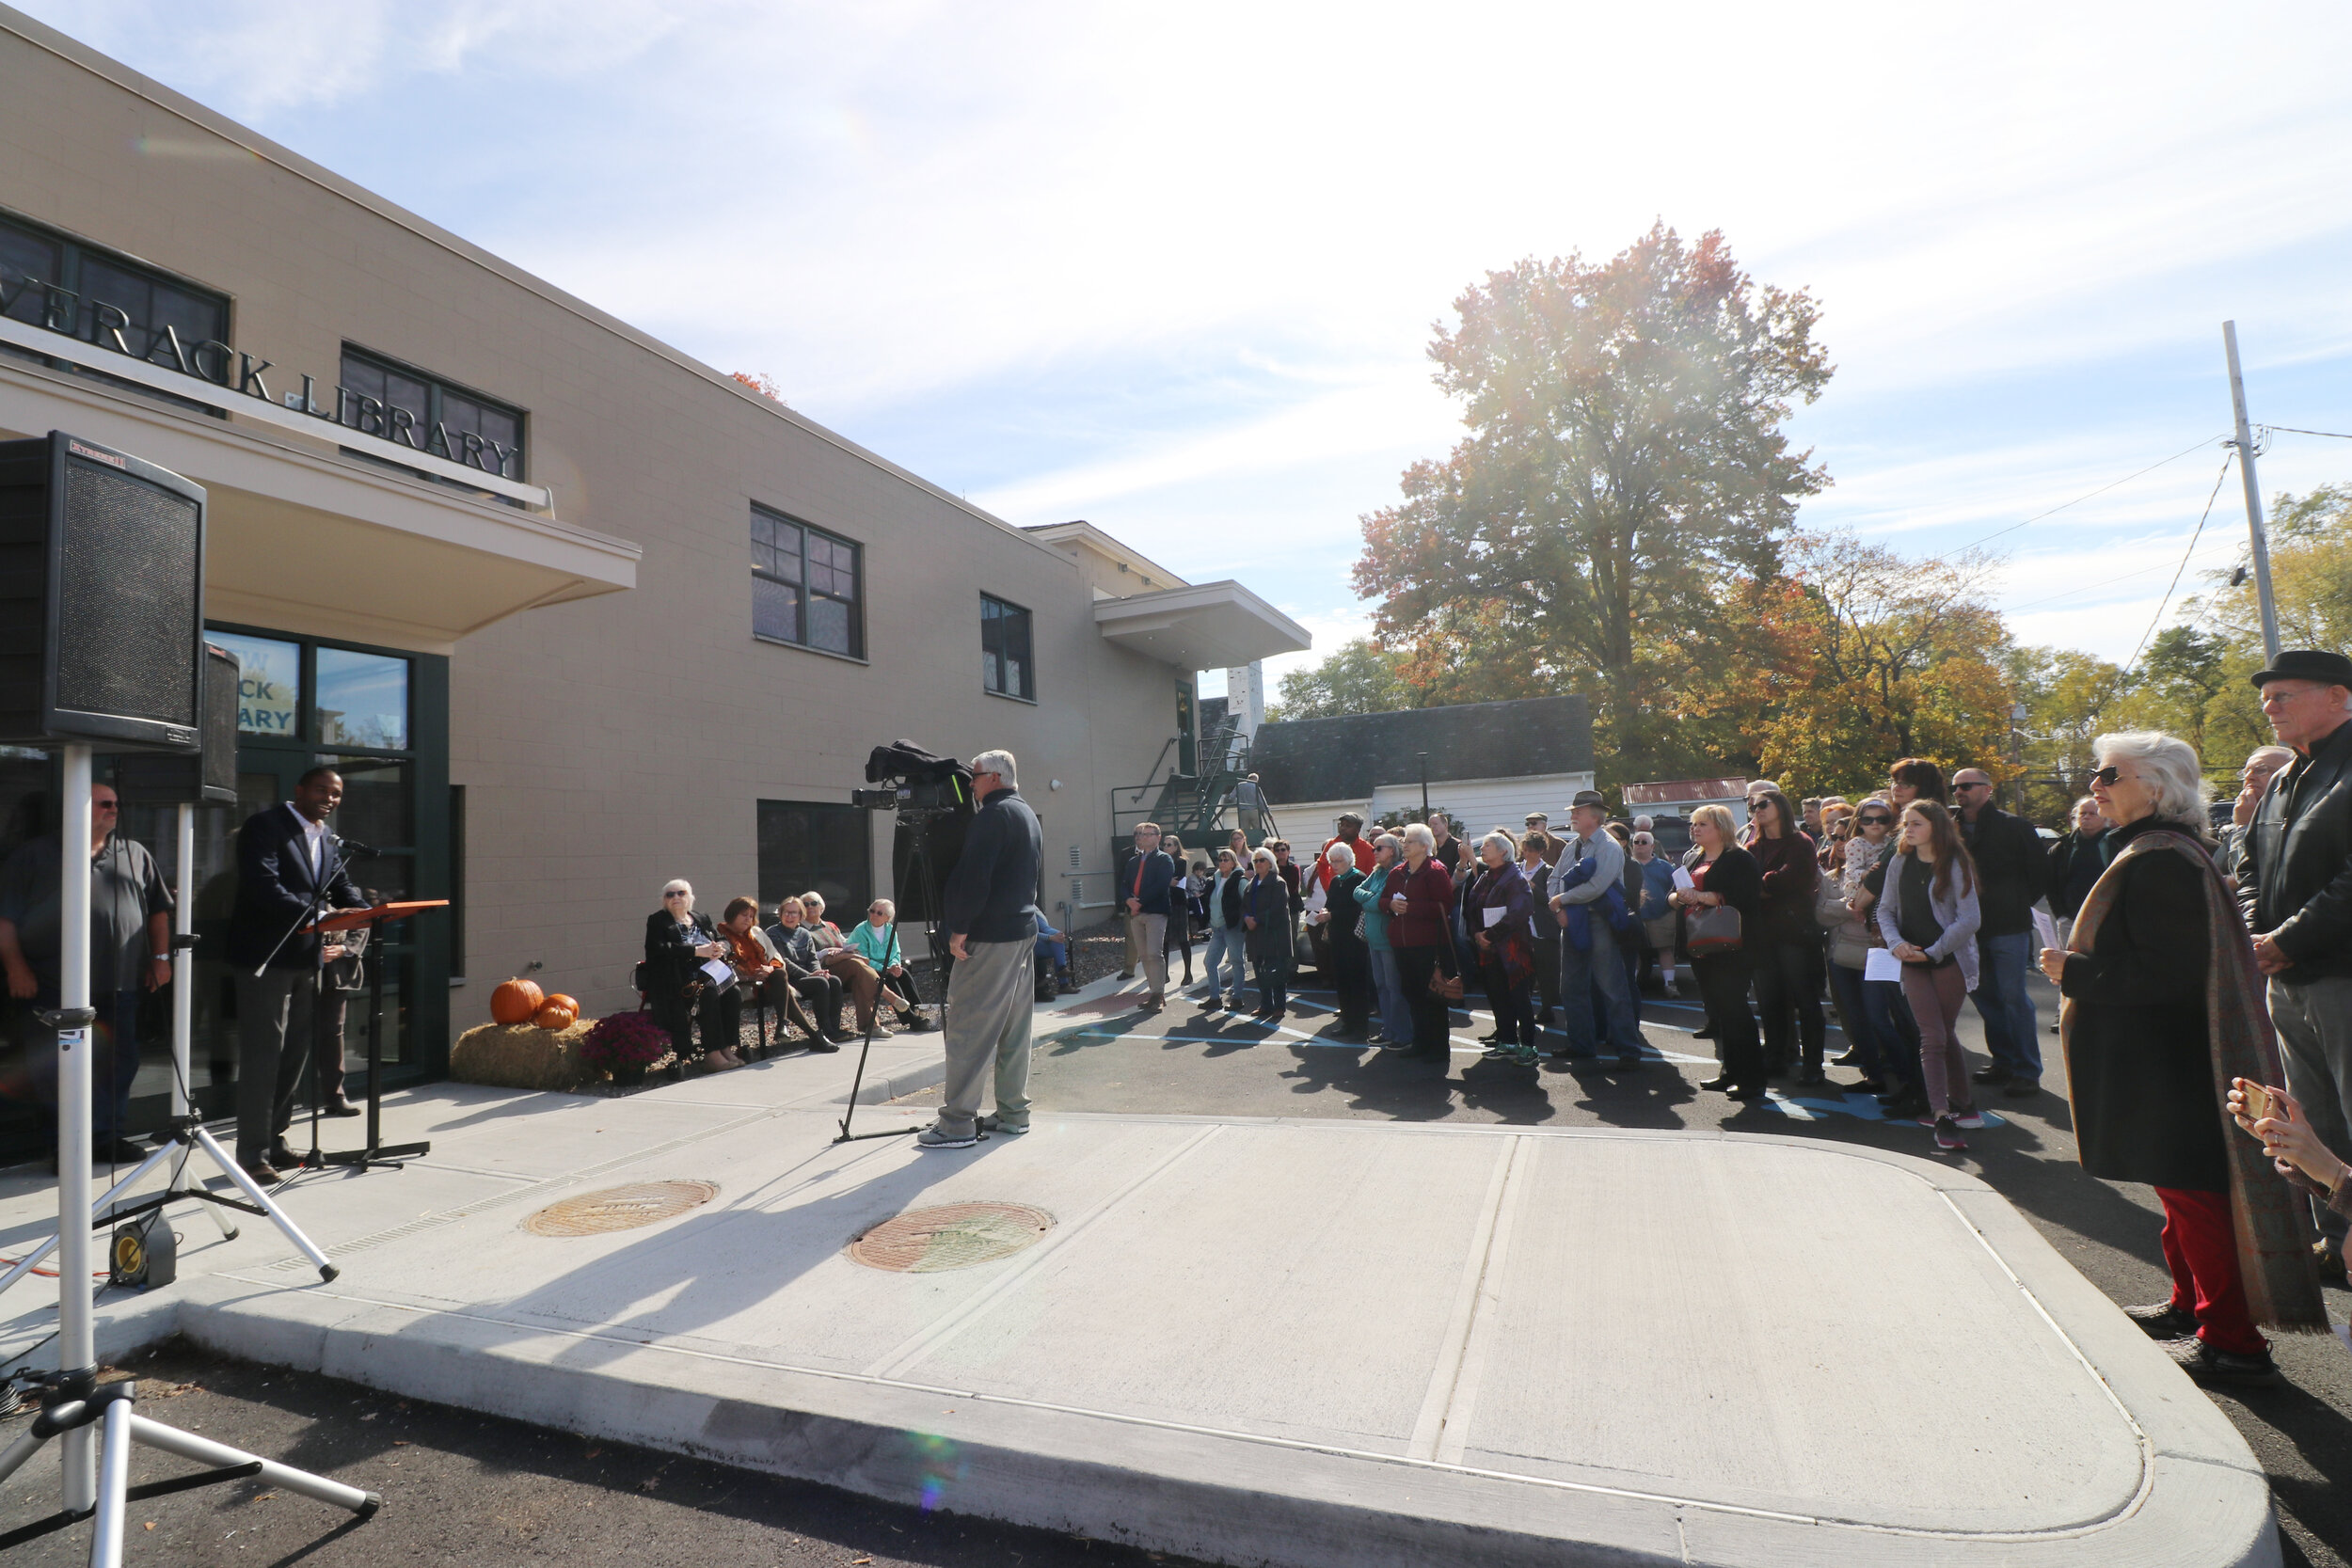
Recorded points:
(1209, 625)
(305, 539)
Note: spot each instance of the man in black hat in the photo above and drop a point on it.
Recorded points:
(2294, 886)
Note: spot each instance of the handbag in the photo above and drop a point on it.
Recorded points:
(1715, 929)
(1446, 988)
(1851, 947)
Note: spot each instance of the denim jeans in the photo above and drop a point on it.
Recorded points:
(2005, 1003)
(1854, 1014)
(2314, 1022)
(1224, 949)
(1388, 987)
(1581, 973)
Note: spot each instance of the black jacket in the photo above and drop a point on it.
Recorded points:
(670, 960)
(2075, 862)
(1738, 879)
(275, 886)
(2138, 1062)
(2295, 880)
(2012, 868)
(1346, 914)
(991, 894)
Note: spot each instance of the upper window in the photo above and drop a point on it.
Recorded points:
(50, 279)
(1006, 667)
(807, 586)
(401, 404)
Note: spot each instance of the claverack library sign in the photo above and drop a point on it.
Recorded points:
(108, 328)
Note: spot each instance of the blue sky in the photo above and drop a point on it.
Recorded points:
(1175, 271)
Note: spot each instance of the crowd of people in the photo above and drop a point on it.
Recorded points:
(2204, 968)
(802, 970)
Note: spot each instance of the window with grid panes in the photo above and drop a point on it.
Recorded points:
(805, 587)
(1006, 666)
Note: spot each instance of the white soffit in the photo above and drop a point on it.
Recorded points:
(1211, 625)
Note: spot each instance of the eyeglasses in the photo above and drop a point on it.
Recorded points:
(2107, 775)
(673, 896)
(1881, 822)
(1972, 786)
(104, 805)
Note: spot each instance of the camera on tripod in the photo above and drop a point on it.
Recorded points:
(915, 780)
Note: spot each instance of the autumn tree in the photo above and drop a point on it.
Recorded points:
(1625, 461)
(1357, 677)
(1865, 657)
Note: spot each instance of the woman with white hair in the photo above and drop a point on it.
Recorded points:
(1501, 916)
(678, 940)
(1396, 1020)
(1342, 922)
(2163, 1013)
(1269, 918)
(1418, 897)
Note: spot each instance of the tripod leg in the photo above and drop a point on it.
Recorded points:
(25, 1264)
(114, 1479)
(154, 1435)
(247, 1186)
(13, 1457)
(220, 1215)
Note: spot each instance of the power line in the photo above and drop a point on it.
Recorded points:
(2086, 494)
(2167, 600)
(2120, 577)
(2290, 430)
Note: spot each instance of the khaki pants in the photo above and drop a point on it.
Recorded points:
(1150, 930)
(1134, 942)
(989, 1003)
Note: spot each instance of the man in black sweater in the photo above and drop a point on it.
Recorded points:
(990, 909)
(2012, 868)
(2295, 888)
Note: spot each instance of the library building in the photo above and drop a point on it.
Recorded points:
(570, 613)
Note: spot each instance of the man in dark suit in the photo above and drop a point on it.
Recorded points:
(289, 869)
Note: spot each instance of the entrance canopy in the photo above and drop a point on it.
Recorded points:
(1207, 626)
(306, 539)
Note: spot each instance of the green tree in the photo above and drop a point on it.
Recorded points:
(1357, 677)
(1626, 464)
(2070, 699)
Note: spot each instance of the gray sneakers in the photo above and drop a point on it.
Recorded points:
(931, 1137)
(996, 1124)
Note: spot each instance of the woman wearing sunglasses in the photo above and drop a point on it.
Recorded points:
(2164, 1017)
(679, 939)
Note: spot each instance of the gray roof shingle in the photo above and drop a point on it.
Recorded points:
(1347, 758)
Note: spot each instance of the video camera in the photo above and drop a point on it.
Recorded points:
(915, 781)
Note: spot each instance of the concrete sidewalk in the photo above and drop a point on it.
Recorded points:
(1260, 1339)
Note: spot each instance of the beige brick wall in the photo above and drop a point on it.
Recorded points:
(609, 744)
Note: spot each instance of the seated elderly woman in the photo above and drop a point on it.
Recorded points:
(821, 991)
(678, 942)
(2163, 1014)
(838, 957)
(877, 942)
(759, 970)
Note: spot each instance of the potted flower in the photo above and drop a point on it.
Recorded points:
(624, 1044)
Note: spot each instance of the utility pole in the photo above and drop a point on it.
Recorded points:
(1423, 757)
(2253, 499)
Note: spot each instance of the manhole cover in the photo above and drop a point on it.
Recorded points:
(952, 1236)
(620, 1208)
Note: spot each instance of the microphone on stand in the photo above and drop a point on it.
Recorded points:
(352, 849)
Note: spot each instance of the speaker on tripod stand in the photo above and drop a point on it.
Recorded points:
(101, 615)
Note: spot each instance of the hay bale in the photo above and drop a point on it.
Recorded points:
(522, 1056)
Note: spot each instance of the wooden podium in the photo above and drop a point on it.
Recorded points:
(372, 920)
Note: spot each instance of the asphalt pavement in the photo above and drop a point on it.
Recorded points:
(465, 1488)
(1184, 1061)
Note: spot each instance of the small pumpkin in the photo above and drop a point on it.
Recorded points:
(554, 1017)
(515, 1002)
(557, 999)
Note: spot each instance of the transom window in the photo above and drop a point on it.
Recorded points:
(806, 586)
(1006, 666)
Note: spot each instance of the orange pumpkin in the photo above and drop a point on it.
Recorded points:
(554, 1017)
(515, 1002)
(557, 999)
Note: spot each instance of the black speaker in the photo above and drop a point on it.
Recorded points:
(101, 599)
(210, 776)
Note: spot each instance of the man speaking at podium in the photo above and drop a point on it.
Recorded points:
(290, 872)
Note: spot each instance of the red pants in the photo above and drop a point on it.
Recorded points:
(2201, 1248)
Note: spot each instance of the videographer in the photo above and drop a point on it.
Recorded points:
(989, 909)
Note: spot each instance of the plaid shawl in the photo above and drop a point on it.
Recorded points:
(2269, 1220)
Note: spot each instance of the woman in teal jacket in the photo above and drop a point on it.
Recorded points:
(1387, 982)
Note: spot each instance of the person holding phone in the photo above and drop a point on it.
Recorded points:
(2149, 1037)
